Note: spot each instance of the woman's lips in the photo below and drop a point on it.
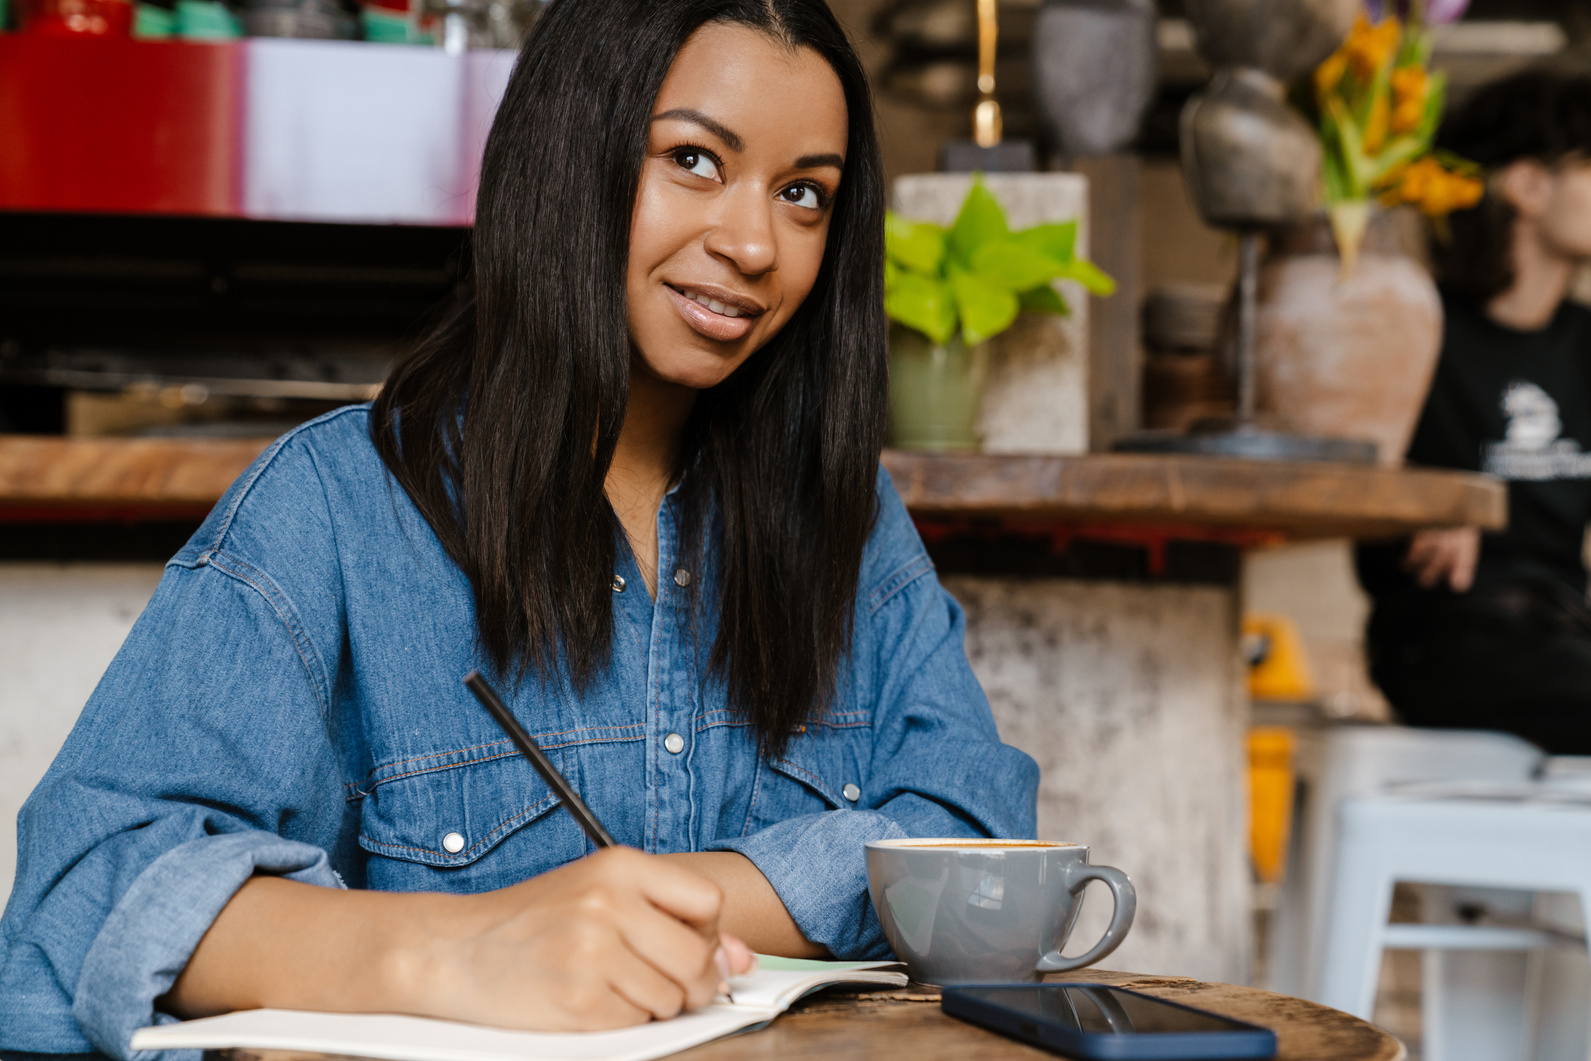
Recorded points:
(704, 321)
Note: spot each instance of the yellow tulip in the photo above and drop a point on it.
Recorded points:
(1410, 85)
(1375, 134)
(1329, 72)
(1370, 47)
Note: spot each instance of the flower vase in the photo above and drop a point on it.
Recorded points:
(1347, 355)
(935, 391)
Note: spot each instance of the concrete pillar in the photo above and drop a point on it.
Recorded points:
(60, 625)
(1128, 695)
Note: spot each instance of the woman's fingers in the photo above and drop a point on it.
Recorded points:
(643, 986)
(686, 896)
(665, 916)
(675, 951)
(742, 961)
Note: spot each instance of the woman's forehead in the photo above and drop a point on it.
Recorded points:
(758, 88)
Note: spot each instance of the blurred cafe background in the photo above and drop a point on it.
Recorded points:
(220, 219)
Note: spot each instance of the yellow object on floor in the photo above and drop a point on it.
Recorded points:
(1270, 784)
(1278, 665)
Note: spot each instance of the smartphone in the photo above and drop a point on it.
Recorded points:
(1108, 1023)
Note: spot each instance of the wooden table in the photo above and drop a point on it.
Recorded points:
(840, 1026)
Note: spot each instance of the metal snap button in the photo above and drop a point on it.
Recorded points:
(674, 743)
(453, 843)
(851, 792)
(682, 577)
(618, 583)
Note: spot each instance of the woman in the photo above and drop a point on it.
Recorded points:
(634, 478)
(1493, 632)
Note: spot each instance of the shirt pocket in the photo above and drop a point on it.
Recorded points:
(822, 768)
(439, 816)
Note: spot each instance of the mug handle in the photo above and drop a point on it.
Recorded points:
(1126, 904)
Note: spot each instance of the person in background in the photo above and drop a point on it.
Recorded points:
(1491, 631)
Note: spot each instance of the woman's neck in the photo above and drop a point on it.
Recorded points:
(646, 459)
(1541, 280)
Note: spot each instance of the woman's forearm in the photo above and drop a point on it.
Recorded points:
(613, 939)
(752, 910)
(288, 945)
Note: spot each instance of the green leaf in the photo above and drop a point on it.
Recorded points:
(923, 303)
(1350, 149)
(1013, 265)
(917, 245)
(986, 310)
(1435, 99)
(891, 275)
(980, 221)
(1044, 300)
(1059, 241)
(1094, 279)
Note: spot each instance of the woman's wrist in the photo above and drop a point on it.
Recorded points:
(414, 946)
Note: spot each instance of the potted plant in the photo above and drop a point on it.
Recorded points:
(947, 292)
(1349, 324)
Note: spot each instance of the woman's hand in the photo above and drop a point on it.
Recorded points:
(617, 938)
(614, 939)
(1446, 555)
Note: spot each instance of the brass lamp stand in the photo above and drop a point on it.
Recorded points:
(988, 151)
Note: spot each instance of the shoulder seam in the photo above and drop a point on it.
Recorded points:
(261, 583)
(891, 587)
(264, 461)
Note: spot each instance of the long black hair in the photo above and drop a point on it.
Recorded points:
(501, 425)
(1540, 115)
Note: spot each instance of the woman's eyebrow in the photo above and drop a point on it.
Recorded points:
(730, 138)
(812, 161)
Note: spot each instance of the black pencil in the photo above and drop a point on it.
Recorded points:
(538, 758)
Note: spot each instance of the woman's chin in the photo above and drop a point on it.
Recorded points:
(698, 371)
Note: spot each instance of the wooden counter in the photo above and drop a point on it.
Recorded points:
(44, 477)
(1303, 500)
(60, 478)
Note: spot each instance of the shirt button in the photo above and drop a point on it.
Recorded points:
(453, 843)
(674, 743)
(682, 577)
(618, 583)
(851, 792)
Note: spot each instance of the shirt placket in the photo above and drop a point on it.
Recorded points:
(670, 696)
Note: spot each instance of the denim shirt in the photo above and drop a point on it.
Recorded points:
(290, 703)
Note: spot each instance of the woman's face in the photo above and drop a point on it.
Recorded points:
(742, 165)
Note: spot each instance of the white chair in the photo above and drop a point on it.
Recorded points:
(1520, 836)
(1344, 762)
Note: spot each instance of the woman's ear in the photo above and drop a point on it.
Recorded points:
(1527, 186)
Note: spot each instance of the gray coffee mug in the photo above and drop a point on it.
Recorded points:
(988, 910)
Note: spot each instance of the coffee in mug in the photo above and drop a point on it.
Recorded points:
(962, 910)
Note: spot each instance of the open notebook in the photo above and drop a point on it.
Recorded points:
(759, 998)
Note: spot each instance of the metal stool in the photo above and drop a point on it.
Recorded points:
(1344, 762)
(1477, 835)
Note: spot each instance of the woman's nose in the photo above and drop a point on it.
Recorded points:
(743, 233)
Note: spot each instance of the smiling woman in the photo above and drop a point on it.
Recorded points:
(669, 359)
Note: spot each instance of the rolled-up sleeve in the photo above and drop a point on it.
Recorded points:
(938, 767)
(203, 757)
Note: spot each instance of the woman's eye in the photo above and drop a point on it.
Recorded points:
(697, 162)
(802, 195)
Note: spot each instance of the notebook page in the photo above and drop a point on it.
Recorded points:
(758, 999)
(779, 982)
(395, 1038)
